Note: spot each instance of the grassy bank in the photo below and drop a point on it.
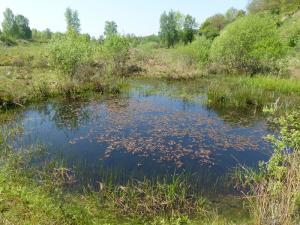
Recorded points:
(37, 196)
(26, 76)
(237, 92)
(30, 195)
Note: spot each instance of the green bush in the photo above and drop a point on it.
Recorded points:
(6, 41)
(67, 52)
(198, 50)
(290, 32)
(202, 47)
(249, 45)
(116, 50)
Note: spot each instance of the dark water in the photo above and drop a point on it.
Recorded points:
(137, 135)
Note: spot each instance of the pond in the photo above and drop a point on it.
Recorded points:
(143, 133)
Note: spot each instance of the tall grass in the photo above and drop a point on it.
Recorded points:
(275, 189)
(253, 92)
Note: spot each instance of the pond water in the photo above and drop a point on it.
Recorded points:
(143, 135)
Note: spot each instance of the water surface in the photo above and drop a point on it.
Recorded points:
(143, 135)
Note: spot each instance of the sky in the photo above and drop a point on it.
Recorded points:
(138, 17)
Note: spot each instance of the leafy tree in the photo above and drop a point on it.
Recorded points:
(169, 28)
(8, 25)
(73, 21)
(249, 45)
(212, 26)
(111, 28)
(232, 14)
(189, 28)
(67, 52)
(116, 50)
(23, 29)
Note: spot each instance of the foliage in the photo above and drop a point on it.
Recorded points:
(6, 41)
(111, 28)
(290, 32)
(9, 27)
(116, 50)
(43, 36)
(189, 28)
(275, 187)
(72, 19)
(150, 38)
(68, 52)
(15, 26)
(198, 49)
(24, 31)
(249, 45)
(168, 29)
(202, 46)
(213, 25)
(273, 6)
(245, 93)
(232, 14)
(175, 27)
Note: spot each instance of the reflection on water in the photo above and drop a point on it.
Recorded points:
(139, 135)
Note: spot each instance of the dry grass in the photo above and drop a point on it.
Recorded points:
(278, 208)
(165, 63)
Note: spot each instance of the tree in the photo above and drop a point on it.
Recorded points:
(116, 50)
(8, 25)
(73, 21)
(212, 26)
(249, 45)
(189, 28)
(169, 28)
(111, 28)
(23, 29)
(232, 14)
(67, 52)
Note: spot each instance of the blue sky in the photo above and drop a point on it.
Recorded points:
(132, 16)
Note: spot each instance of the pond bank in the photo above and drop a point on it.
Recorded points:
(161, 107)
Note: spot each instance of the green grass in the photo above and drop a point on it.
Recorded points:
(36, 196)
(20, 86)
(237, 92)
(25, 76)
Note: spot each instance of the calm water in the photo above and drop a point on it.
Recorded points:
(139, 135)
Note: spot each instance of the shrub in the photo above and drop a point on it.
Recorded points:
(198, 51)
(6, 41)
(249, 45)
(67, 52)
(116, 50)
(276, 192)
(290, 32)
(201, 46)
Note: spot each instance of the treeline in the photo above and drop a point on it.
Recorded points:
(259, 40)
(17, 27)
(176, 27)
